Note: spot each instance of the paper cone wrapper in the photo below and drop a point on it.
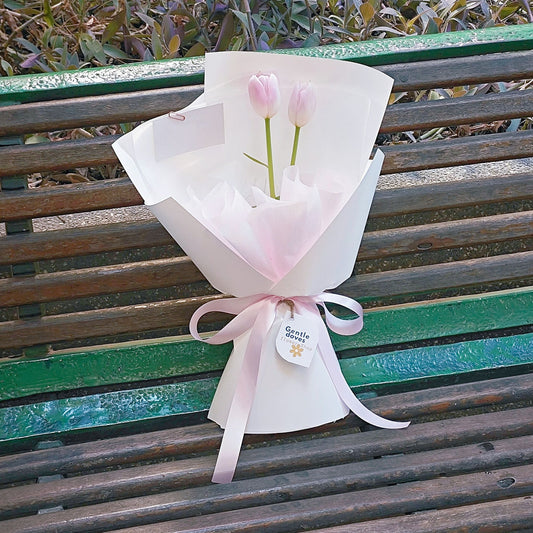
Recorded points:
(176, 165)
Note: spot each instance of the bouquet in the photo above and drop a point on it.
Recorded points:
(265, 182)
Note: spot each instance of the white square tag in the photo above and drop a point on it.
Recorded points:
(297, 340)
(188, 131)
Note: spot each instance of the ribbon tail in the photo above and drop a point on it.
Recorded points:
(329, 357)
(242, 401)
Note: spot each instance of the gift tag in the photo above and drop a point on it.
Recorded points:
(186, 131)
(297, 340)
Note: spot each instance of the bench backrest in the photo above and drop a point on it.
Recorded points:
(110, 282)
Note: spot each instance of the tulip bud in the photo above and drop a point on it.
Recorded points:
(302, 104)
(265, 97)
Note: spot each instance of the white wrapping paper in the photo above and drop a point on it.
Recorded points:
(193, 175)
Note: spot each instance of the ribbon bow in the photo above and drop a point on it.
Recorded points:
(257, 313)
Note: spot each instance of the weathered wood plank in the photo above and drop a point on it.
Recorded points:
(359, 474)
(143, 105)
(82, 241)
(377, 244)
(448, 195)
(174, 313)
(95, 110)
(444, 275)
(366, 504)
(131, 362)
(125, 277)
(180, 270)
(510, 514)
(61, 155)
(472, 71)
(64, 199)
(445, 235)
(455, 111)
(402, 158)
(456, 152)
(107, 194)
(133, 318)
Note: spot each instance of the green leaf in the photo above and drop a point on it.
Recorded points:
(29, 46)
(227, 30)
(92, 48)
(12, 4)
(197, 49)
(36, 139)
(174, 46)
(157, 48)
(115, 23)
(114, 52)
(432, 27)
(47, 13)
(312, 40)
(367, 12)
(6, 67)
(302, 21)
(242, 17)
(255, 160)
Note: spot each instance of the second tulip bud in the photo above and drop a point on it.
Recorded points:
(302, 104)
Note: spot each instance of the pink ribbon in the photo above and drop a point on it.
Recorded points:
(257, 313)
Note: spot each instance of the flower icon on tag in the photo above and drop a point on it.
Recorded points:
(296, 350)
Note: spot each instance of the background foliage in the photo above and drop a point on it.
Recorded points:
(52, 35)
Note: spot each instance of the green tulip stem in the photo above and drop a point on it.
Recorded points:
(295, 144)
(269, 159)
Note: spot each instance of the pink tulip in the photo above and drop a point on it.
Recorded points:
(265, 98)
(302, 104)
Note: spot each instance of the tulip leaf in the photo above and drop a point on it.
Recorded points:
(255, 160)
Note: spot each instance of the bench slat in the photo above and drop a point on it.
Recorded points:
(357, 506)
(194, 501)
(455, 111)
(143, 105)
(115, 237)
(472, 71)
(441, 276)
(94, 111)
(157, 406)
(449, 195)
(456, 152)
(399, 158)
(510, 514)
(106, 194)
(173, 313)
(65, 199)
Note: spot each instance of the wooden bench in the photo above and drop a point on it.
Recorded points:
(103, 398)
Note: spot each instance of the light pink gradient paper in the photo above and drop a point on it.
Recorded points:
(276, 257)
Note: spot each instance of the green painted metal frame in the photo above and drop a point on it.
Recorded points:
(188, 71)
(132, 362)
(21, 426)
